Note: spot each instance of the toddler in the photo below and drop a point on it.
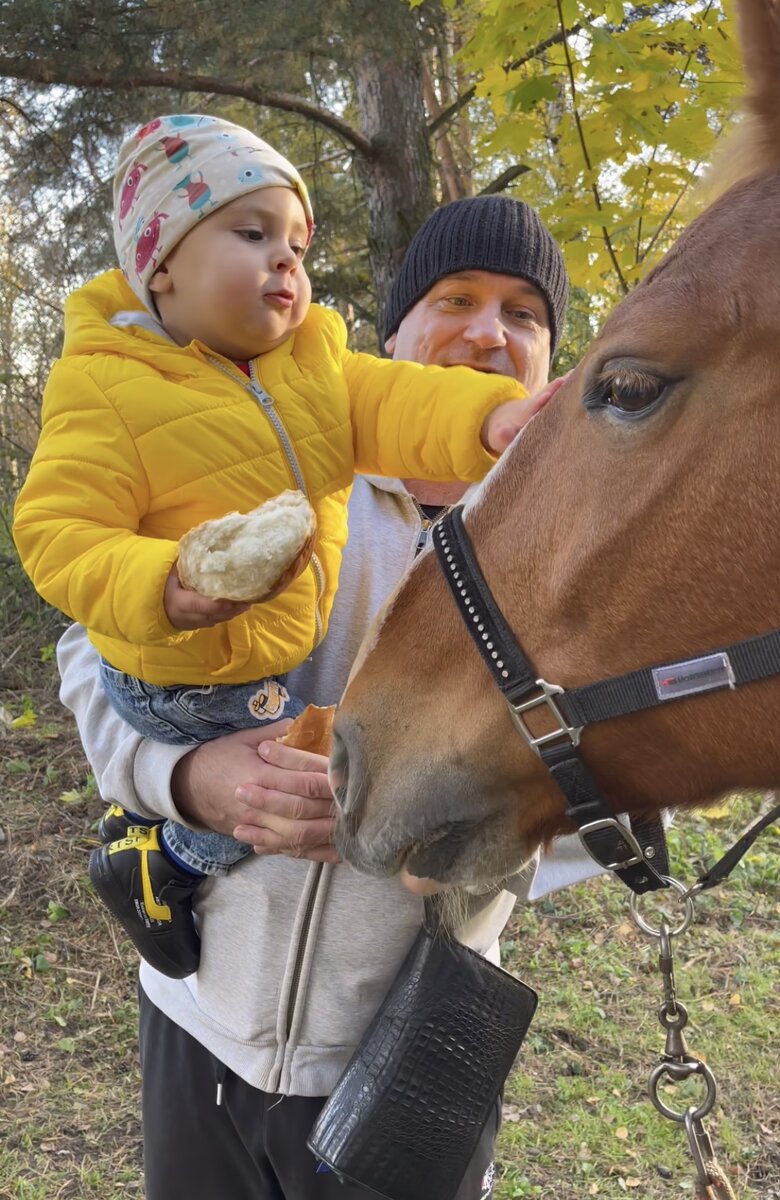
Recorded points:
(199, 380)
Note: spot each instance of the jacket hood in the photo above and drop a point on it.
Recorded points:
(385, 484)
(396, 487)
(99, 319)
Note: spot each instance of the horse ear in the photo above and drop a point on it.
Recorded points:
(759, 25)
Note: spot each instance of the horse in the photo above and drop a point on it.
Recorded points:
(633, 523)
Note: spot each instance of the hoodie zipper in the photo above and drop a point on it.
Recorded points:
(301, 949)
(266, 402)
(426, 523)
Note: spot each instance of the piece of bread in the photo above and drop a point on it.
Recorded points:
(249, 556)
(311, 730)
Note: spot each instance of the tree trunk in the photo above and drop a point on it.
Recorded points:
(397, 178)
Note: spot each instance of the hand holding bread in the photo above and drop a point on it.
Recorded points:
(227, 564)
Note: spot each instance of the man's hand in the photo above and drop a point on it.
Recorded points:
(502, 426)
(280, 804)
(291, 808)
(189, 610)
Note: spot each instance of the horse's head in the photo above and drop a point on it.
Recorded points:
(634, 522)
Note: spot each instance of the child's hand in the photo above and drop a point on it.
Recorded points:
(189, 610)
(502, 426)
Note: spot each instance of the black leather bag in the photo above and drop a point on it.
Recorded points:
(405, 1118)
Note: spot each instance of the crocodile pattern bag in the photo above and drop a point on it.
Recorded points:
(407, 1114)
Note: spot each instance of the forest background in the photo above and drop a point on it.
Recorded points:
(600, 117)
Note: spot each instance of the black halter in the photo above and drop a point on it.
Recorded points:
(637, 854)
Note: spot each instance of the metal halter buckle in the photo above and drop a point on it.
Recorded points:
(635, 855)
(571, 733)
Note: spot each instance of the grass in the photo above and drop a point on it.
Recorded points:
(577, 1121)
(577, 1118)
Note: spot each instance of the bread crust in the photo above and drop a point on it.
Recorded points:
(312, 730)
(249, 557)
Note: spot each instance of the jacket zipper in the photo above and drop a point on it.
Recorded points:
(266, 402)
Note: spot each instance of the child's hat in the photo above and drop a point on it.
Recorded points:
(175, 171)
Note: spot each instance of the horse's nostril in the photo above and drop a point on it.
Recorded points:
(338, 771)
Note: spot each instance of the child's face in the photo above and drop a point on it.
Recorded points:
(236, 281)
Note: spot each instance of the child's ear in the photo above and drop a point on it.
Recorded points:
(161, 281)
(390, 344)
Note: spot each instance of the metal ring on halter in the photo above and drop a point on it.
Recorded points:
(679, 1071)
(646, 927)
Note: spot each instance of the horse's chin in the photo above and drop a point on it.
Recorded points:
(461, 855)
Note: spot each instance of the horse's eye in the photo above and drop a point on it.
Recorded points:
(627, 392)
(632, 393)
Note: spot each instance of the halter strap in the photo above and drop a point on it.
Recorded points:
(637, 855)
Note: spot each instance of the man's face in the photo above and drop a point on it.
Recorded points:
(477, 319)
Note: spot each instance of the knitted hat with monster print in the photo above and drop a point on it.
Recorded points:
(175, 171)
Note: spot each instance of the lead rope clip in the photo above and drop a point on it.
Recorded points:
(677, 1063)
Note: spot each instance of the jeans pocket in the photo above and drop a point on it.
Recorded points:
(201, 710)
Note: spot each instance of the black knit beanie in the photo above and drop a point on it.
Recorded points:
(482, 233)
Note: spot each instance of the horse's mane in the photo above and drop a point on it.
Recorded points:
(754, 145)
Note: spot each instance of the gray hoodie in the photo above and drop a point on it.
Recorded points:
(296, 957)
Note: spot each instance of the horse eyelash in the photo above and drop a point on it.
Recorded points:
(628, 376)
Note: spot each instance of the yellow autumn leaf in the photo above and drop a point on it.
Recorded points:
(25, 721)
(650, 90)
(717, 812)
(72, 797)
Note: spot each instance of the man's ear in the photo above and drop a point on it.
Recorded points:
(390, 344)
(161, 281)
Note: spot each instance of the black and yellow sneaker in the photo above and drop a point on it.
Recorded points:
(151, 898)
(114, 824)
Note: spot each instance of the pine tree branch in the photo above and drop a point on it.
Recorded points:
(44, 73)
(504, 179)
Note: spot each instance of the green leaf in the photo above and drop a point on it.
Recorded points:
(614, 11)
(531, 91)
(56, 911)
(18, 766)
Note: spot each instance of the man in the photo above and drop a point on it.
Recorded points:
(296, 956)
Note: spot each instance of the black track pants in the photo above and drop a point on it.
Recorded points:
(250, 1147)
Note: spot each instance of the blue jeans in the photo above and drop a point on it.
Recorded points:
(186, 716)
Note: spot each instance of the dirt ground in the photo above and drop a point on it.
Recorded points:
(576, 1121)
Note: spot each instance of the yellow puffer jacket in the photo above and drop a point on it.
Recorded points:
(142, 439)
